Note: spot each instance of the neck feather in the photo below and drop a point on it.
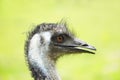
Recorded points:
(41, 65)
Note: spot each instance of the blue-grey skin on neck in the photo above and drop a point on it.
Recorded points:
(42, 49)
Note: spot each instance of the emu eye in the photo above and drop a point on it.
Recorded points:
(60, 39)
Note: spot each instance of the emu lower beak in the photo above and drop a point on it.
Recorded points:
(80, 46)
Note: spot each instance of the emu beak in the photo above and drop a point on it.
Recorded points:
(81, 46)
(77, 46)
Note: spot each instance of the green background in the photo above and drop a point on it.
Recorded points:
(95, 21)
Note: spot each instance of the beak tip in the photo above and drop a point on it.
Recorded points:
(93, 53)
(92, 48)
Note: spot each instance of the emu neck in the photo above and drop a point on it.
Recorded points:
(41, 65)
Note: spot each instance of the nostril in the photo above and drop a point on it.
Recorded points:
(85, 45)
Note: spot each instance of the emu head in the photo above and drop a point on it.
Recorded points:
(46, 43)
(55, 40)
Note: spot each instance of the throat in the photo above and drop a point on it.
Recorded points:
(49, 69)
(44, 69)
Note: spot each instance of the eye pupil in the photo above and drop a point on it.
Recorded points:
(59, 39)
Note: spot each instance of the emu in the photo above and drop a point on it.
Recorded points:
(46, 43)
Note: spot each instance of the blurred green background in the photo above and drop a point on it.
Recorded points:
(95, 21)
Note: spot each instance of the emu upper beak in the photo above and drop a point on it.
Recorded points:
(81, 46)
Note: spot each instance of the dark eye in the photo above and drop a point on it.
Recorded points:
(60, 39)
